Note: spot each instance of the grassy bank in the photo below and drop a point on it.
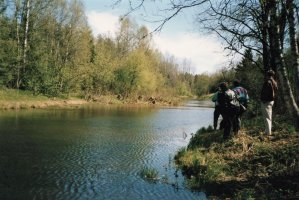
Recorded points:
(18, 99)
(248, 166)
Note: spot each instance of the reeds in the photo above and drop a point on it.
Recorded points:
(149, 173)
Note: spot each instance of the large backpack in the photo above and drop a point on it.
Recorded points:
(224, 99)
(228, 102)
(242, 95)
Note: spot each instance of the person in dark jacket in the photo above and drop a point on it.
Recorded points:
(243, 98)
(268, 93)
(228, 108)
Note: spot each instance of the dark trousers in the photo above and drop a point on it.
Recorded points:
(237, 119)
(237, 123)
(229, 121)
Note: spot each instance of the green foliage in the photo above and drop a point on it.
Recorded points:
(247, 194)
(63, 57)
(250, 74)
(10, 95)
(180, 153)
(149, 173)
(276, 160)
(204, 137)
(201, 170)
(55, 50)
(204, 84)
(201, 84)
(126, 80)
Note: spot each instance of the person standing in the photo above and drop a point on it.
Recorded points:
(243, 98)
(228, 108)
(268, 93)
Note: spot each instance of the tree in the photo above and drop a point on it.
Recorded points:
(6, 46)
(257, 25)
(100, 78)
(277, 55)
(291, 6)
(250, 74)
(42, 43)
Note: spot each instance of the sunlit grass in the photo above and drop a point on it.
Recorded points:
(19, 95)
(19, 99)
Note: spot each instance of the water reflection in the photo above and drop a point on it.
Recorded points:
(94, 152)
(196, 103)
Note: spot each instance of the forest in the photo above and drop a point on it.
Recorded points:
(47, 47)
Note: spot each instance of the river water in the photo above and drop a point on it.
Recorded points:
(96, 152)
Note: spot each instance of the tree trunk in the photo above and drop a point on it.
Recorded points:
(26, 30)
(19, 48)
(282, 23)
(264, 31)
(288, 96)
(273, 33)
(290, 4)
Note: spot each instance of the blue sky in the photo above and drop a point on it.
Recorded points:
(178, 37)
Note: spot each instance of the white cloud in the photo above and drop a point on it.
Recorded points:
(205, 53)
(102, 23)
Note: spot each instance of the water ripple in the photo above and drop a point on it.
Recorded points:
(95, 154)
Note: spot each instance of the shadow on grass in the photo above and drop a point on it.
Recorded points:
(277, 187)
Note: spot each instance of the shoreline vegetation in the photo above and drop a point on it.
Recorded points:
(11, 99)
(250, 165)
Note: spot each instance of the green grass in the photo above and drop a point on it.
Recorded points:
(19, 95)
(247, 166)
(149, 173)
(18, 99)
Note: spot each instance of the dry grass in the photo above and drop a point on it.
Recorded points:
(17, 99)
(246, 162)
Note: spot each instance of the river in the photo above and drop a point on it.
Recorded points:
(96, 152)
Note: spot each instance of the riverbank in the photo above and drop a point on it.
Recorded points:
(248, 166)
(18, 99)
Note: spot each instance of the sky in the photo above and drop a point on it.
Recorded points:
(179, 36)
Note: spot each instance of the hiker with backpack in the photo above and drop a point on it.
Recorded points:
(243, 98)
(268, 93)
(229, 107)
